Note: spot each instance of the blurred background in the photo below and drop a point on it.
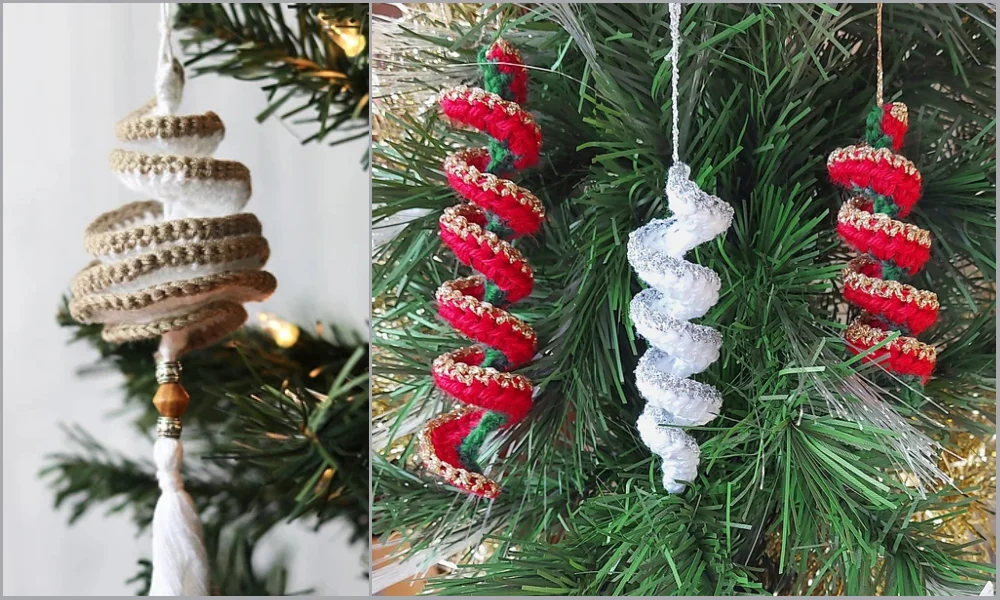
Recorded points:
(70, 72)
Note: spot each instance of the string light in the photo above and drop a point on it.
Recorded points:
(349, 38)
(285, 334)
(346, 34)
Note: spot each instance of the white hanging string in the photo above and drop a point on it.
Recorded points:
(166, 43)
(675, 37)
(169, 74)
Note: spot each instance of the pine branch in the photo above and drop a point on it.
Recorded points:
(285, 453)
(273, 435)
(610, 551)
(308, 75)
(217, 374)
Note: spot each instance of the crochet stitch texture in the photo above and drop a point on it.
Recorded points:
(183, 263)
(679, 291)
(881, 187)
(479, 233)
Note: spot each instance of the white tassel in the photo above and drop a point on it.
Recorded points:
(180, 563)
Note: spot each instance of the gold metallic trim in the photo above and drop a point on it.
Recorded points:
(887, 289)
(453, 292)
(852, 213)
(458, 164)
(453, 365)
(868, 153)
(455, 219)
(863, 334)
(472, 96)
(477, 483)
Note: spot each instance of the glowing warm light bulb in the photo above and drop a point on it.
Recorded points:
(349, 38)
(285, 334)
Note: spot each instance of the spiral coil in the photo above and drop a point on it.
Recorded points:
(679, 291)
(881, 187)
(479, 234)
(179, 265)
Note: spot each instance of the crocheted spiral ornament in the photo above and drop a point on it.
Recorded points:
(679, 291)
(182, 264)
(479, 233)
(882, 187)
(178, 267)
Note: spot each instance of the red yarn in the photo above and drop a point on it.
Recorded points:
(907, 254)
(447, 439)
(489, 114)
(893, 126)
(509, 63)
(505, 333)
(466, 171)
(462, 228)
(885, 241)
(488, 393)
(897, 361)
(469, 230)
(880, 177)
(904, 311)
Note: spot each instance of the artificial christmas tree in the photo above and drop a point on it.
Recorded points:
(821, 475)
(277, 428)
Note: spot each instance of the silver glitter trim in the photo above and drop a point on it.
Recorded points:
(682, 192)
(646, 316)
(684, 402)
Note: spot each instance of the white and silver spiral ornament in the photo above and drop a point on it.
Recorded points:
(177, 266)
(678, 291)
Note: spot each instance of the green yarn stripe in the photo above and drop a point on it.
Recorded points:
(501, 161)
(877, 138)
(469, 450)
(880, 203)
(495, 80)
(874, 136)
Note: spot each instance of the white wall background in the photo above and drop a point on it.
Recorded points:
(69, 73)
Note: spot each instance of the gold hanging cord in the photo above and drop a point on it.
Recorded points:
(878, 33)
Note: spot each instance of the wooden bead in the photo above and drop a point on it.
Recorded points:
(171, 400)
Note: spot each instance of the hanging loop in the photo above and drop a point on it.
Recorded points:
(166, 42)
(878, 35)
(675, 39)
(169, 72)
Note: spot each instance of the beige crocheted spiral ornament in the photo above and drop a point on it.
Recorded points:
(178, 266)
(182, 264)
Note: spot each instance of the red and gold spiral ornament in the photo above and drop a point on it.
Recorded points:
(882, 187)
(480, 234)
